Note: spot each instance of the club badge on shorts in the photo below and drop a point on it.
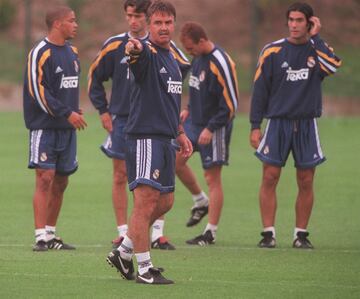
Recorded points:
(156, 174)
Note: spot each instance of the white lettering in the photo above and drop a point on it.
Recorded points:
(69, 82)
(296, 75)
(194, 82)
(174, 86)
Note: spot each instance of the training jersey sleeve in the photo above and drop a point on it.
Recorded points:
(40, 72)
(262, 86)
(100, 71)
(140, 62)
(181, 60)
(224, 83)
(329, 62)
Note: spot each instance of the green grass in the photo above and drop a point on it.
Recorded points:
(233, 268)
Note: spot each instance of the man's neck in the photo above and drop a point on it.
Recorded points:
(298, 41)
(164, 46)
(208, 47)
(139, 35)
(56, 39)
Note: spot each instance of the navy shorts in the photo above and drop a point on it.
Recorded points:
(301, 137)
(115, 144)
(217, 151)
(151, 162)
(53, 149)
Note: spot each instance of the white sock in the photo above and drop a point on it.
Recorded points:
(126, 248)
(144, 262)
(270, 229)
(40, 234)
(50, 232)
(296, 230)
(212, 228)
(201, 199)
(157, 229)
(122, 230)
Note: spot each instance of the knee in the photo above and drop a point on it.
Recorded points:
(61, 184)
(212, 179)
(44, 180)
(169, 203)
(270, 179)
(145, 203)
(305, 182)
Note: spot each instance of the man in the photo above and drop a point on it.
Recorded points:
(51, 113)
(111, 62)
(287, 91)
(150, 157)
(208, 121)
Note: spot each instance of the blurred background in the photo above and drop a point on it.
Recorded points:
(242, 27)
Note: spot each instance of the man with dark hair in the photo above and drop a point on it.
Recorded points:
(111, 62)
(287, 92)
(150, 157)
(208, 123)
(52, 114)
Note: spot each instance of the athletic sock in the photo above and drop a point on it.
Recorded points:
(157, 229)
(144, 262)
(40, 234)
(270, 229)
(122, 230)
(201, 199)
(212, 228)
(296, 230)
(50, 232)
(126, 248)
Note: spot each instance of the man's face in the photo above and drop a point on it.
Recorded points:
(68, 26)
(298, 26)
(161, 28)
(136, 21)
(191, 47)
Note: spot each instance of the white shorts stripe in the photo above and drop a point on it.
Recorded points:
(321, 154)
(34, 145)
(262, 143)
(218, 145)
(107, 142)
(143, 158)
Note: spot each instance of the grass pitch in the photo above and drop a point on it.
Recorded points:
(233, 268)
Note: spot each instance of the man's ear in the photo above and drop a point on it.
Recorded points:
(57, 24)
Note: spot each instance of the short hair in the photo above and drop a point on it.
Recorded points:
(141, 6)
(194, 31)
(303, 7)
(160, 6)
(56, 13)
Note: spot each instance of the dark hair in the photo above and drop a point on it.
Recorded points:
(56, 13)
(303, 7)
(141, 6)
(163, 7)
(194, 31)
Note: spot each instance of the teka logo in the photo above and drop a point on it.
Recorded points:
(194, 82)
(174, 86)
(69, 82)
(297, 75)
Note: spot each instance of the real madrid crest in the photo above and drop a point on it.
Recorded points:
(266, 150)
(311, 61)
(43, 157)
(156, 174)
